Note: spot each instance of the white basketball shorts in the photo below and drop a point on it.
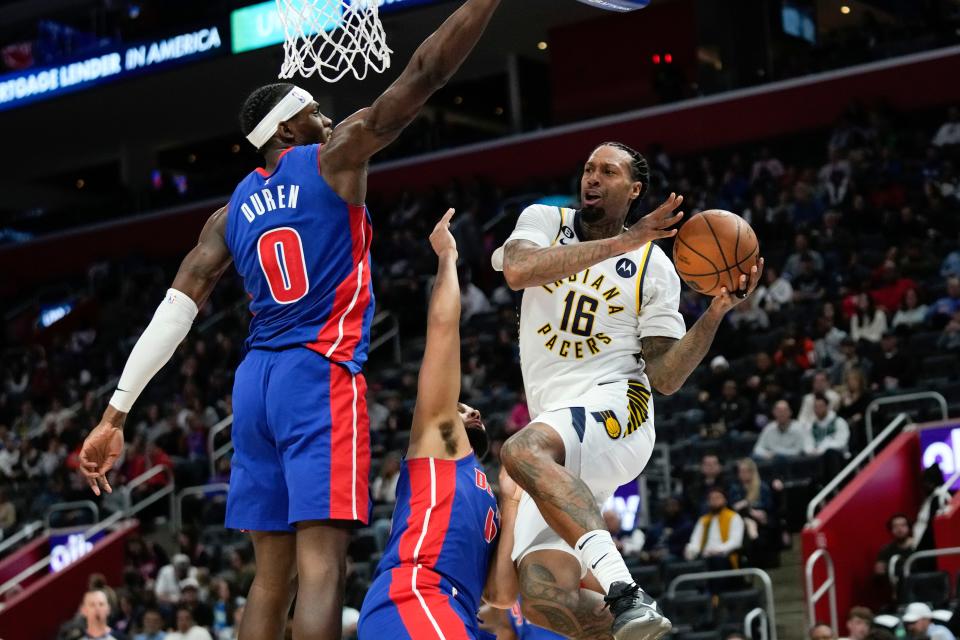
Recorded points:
(608, 438)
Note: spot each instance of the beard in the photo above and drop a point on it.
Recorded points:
(592, 215)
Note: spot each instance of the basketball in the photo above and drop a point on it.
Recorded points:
(713, 249)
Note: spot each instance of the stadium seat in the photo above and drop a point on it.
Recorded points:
(932, 587)
(648, 577)
(688, 611)
(733, 606)
(673, 569)
(923, 344)
(940, 366)
(713, 634)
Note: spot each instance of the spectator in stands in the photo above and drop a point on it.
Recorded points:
(10, 458)
(519, 416)
(168, 586)
(8, 514)
(902, 544)
(829, 338)
(819, 386)
(629, 543)
(668, 536)
(868, 323)
(472, 299)
(822, 631)
(190, 598)
(766, 164)
(827, 438)
(801, 249)
(95, 610)
(855, 397)
(711, 475)
(152, 626)
(948, 135)
(808, 283)
(912, 313)
(145, 556)
(950, 267)
(753, 500)
(943, 310)
(782, 438)
(850, 359)
(384, 487)
(28, 422)
(187, 628)
(949, 340)
(775, 294)
(718, 535)
(918, 620)
(859, 622)
(731, 411)
(892, 370)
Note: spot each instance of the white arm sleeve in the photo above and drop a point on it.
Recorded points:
(170, 325)
(540, 224)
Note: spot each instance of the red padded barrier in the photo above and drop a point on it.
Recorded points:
(38, 612)
(853, 525)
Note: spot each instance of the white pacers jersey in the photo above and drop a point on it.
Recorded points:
(585, 330)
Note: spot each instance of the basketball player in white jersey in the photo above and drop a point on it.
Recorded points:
(599, 326)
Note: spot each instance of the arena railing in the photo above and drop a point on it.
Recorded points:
(828, 588)
(199, 490)
(25, 533)
(222, 450)
(854, 465)
(74, 505)
(764, 622)
(764, 578)
(130, 509)
(902, 399)
(929, 553)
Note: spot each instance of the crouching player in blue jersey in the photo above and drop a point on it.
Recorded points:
(444, 552)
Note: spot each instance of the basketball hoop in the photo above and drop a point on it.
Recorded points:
(332, 38)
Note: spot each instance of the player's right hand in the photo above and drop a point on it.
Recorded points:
(100, 450)
(441, 239)
(654, 225)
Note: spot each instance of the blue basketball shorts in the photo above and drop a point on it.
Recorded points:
(301, 438)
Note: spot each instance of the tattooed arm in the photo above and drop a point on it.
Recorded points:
(525, 264)
(670, 361)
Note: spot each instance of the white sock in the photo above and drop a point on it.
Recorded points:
(599, 554)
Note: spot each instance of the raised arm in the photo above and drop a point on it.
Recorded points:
(669, 362)
(437, 428)
(198, 274)
(527, 265)
(433, 64)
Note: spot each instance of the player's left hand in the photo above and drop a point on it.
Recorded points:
(441, 239)
(727, 300)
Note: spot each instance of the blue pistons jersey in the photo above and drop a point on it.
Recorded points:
(431, 578)
(304, 256)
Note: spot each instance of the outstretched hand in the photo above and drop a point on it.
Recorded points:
(441, 239)
(654, 225)
(727, 300)
(509, 489)
(100, 450)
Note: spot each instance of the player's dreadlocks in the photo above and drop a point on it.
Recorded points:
(259, 103)
(639, 171)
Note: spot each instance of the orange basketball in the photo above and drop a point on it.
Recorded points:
(713, 249)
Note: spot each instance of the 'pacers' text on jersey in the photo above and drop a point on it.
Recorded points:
(304, 256)
(585, 329)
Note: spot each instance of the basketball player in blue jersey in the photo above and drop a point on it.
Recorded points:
(299, 234)
(444, 552)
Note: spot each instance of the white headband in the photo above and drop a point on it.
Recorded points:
(289, 106)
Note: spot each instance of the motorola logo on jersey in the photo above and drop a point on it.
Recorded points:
(626, 268)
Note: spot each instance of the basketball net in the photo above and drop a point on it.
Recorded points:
(332, 38)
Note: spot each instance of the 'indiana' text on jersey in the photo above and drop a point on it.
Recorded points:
(304, 256)
(435, 564)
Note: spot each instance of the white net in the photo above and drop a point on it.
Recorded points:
(333, 38)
